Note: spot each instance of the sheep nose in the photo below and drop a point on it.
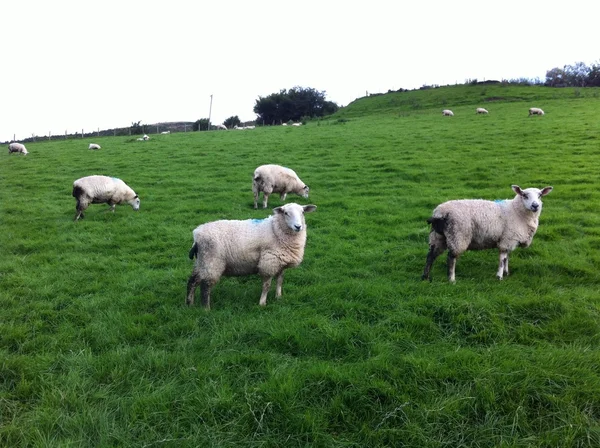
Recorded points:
(297, 227)
(534, 206)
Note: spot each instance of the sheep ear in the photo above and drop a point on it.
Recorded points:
(309, 208)
(278, 210)
(546, 190)
(517, 190)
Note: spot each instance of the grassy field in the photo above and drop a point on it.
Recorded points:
(97, 347)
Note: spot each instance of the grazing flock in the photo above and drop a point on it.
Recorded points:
(269, 246)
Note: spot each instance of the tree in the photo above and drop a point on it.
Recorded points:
(577, 74)
(293, 104)
(200, 125)
(136, 128)
(232, 121)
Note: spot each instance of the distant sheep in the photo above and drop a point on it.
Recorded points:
(476, 224)
(165, 132)
(17, 147)
(221, 126)
(94, 146)
(296, 124)
(143, 139)
(102, 189)
(535, 111)
(447, 113)
(481, 110)
(255, 246)
(276, 179)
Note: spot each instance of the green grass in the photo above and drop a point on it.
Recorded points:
(97, 347)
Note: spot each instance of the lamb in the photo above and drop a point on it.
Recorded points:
(94, 146)
(17, 147)
(481, 110)
(535, 111)
(447, 113)
(102, 189)
(476, 224)
(276, 179)
(255, 246)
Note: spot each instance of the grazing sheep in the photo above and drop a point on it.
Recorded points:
(447, 113)
(255, 246)
(17, 147)
(475, 224)
(276, 179)
(535, 111)
(283, 124)
(94, 146)
(102, 189)
(481, 110)
(165, 132)
(221, 126)
(296, 124)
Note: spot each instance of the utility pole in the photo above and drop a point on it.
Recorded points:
(209, 112)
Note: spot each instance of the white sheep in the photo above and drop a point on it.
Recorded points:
(145, 137)
(296, 124)
(276, 179)
(165, 132)
(535, 111)
(447, 113)
(283, 124)
(481, 110)
(102, 189)
(476, 224)
(94, 146)
(17, 147)
(221, 126)
(255, 246)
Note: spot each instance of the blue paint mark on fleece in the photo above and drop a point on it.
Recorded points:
(499, 201)
(115, 178)
(256, 221)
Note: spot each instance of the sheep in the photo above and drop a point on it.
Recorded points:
(102, 189)
(447, 113)
(276, 179)
(476, 224)
(17, 147)
(255, 246)
(221, 126)
(165, 132)
(296, 124)
(535, 111)
(94, 146)
(481, 110)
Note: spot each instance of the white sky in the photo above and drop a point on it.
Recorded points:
(72, 65)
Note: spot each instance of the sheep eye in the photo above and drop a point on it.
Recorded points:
(525, 196)
(286, 213)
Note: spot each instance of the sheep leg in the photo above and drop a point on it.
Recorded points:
(112, 207)
(193, 282)
(256, 194)
(451, 267)
(265, 199)
(435, 250)
(278, 290)
(205, 293)
(265, 290)
(282, 196)
(502, 265)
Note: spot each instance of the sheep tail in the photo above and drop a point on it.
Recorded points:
(438, 224)
(194, 251)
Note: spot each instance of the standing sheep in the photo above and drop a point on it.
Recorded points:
(94, 146)
(447, 113)
(102, 190)
(276, 179)
(481, 110)
(476, 224)
(535, 111)
(255, 246)
(17, 147)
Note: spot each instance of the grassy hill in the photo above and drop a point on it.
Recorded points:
(97, 347)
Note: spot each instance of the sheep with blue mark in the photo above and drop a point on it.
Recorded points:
(102, 190)
(476, 224)
(235, 248)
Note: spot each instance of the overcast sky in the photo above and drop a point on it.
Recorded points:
(72, 65)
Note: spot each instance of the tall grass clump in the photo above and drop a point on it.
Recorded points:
(97, 347)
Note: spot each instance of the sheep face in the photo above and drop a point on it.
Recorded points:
(531, 198)
(305, 191)
(135, 203)
(294, 215)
